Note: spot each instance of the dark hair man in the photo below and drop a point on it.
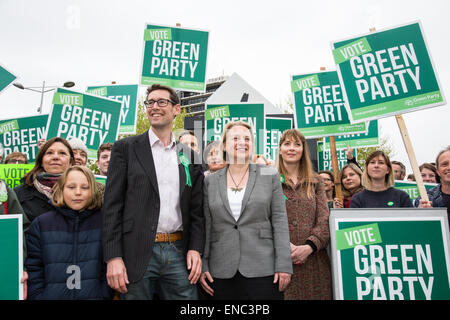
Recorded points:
(153, 223)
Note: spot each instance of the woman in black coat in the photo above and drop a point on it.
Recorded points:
(34, 193)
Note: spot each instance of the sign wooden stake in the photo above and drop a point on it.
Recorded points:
(410, 151)
(411, 156)
(335, 165)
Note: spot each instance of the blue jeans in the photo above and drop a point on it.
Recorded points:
(166, 275)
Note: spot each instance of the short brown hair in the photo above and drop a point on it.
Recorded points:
(173, 95)
(103, 147)
(39, 159)
(432, 168)
(440, 154)
(96, 196)
(13, 155)
(402, 166)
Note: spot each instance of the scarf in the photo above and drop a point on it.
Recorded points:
(44, 182)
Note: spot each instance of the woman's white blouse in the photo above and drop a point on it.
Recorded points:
(235, 200)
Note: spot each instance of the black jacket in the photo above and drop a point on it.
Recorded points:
(131, 207)
(32, 201)
(61, 243)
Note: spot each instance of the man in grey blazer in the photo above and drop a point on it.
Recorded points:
(153, 224)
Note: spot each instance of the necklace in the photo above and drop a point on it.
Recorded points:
(236, 188)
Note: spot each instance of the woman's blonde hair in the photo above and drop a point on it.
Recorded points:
(230, 125)
(346, 192)
(308, 178)
(389, 179)
(96, 196)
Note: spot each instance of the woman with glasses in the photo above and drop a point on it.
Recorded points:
(328, 181)
(16, 158)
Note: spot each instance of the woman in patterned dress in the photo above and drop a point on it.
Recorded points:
(308, 214)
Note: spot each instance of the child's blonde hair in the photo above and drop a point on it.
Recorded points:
(96, 197)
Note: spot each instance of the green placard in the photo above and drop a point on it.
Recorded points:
(411, 188)
(387, 72)
(12, 173)
(127, 95)
(95, 122)
(6, 78)
(324, 157)
(100, 178)
(274, 130)
(175, 57)
(390, 254)
(11, 259)
(22, 135)
(358, 140)
(319, 106)
(253, 114)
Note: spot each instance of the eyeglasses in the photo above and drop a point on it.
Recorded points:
(16, 161)
(161, 102)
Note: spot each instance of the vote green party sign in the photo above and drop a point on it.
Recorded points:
(127, 95)
(12, 173)
(324, 160)
(22, 135)
(410, 187)
(6, 78)
(217, 116)
(175, 57)
(390, 254)
(319, 106)
(275, 126)
(11, 257)
(387, 72)
(357, 140)
(94, 120)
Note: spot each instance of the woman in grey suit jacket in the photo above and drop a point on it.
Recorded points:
(247, 252)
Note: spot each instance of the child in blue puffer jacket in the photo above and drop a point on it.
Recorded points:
(65, 245)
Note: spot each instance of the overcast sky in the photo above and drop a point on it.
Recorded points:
(96, 42)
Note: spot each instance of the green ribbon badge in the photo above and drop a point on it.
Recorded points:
(3, 196)
(282, 181)
(185, 162)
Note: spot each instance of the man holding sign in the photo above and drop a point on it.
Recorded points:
(153, 224)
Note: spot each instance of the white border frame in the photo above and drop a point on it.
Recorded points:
(381, 214)
(82, 93)
(291, 76)
(444, 101)
(137, 102)
(20, 249)
(174, 27)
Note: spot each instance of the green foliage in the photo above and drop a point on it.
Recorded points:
(384, 146)
(92, 165)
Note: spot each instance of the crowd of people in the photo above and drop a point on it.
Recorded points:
(174, 224)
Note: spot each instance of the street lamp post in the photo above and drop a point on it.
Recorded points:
(67, 84)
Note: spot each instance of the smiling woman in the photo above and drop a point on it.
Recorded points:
(54, 157)
(378, 179)
(244, 208)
